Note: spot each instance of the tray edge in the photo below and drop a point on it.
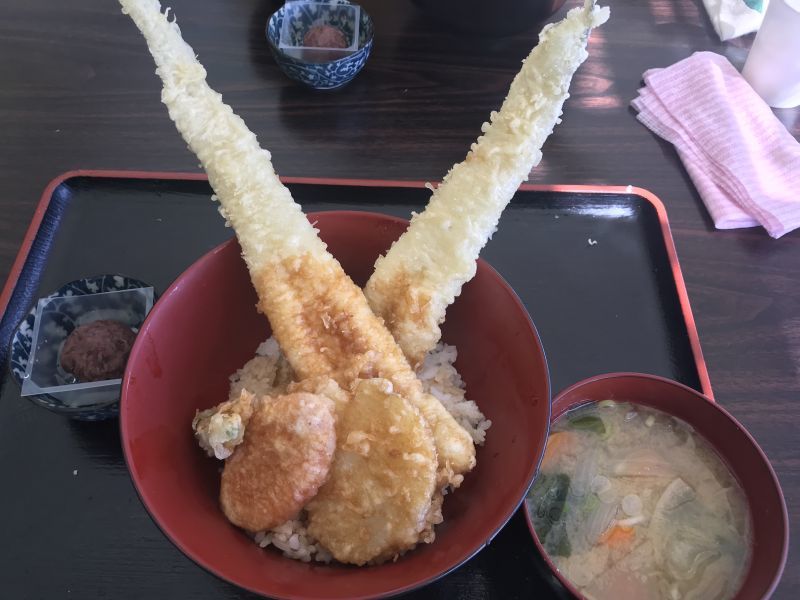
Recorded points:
(661, 211)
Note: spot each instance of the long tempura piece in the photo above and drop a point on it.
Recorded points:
(424, 270)
(320, 318)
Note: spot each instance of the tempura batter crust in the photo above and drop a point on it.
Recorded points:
(284, 459)
(376, 503)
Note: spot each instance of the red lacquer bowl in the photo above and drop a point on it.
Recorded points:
(741, 453)
(206, 326)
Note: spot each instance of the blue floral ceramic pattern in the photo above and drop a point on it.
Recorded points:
(325, 75)
(23, 339)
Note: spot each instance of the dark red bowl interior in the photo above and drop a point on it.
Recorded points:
(206, 326)
(736, 447)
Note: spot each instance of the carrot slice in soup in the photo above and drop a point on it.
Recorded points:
(557, 444)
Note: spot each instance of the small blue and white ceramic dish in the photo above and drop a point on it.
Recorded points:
(300, 66)
(134, 307)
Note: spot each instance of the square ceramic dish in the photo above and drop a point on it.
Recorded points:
(301, 17)
(55, 319)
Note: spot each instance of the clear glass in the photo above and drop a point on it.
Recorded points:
(300, 16)
(773, 65)
(56, 318)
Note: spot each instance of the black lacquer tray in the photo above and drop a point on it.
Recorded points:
(595, 266)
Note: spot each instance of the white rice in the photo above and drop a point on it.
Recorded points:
(439, 378)
(268, 373)
(293, 540)
(265, 374)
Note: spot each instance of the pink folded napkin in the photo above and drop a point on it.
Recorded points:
(744, 162)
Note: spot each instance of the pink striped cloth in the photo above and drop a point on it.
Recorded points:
(743, 161)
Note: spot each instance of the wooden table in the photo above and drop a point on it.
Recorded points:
(78, 91)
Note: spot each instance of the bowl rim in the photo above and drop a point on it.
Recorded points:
(466, 556)
(701, 397)
(357, 52)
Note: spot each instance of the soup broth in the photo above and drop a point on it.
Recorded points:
(630, 503)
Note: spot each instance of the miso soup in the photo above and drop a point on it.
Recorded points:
(631, 503)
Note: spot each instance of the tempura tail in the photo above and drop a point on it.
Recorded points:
(320, 318)
(260, 208)
(423, 272)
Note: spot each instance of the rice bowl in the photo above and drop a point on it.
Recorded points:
(205, 328)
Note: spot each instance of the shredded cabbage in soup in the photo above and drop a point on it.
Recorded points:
(631, 503)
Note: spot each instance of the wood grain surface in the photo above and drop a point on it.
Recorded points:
(77, 90)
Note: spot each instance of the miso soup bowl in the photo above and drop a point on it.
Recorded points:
(738, 449)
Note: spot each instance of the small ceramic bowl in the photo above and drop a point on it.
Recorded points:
(738, 450)
(326, 75)
(206, 326)
(105, 406)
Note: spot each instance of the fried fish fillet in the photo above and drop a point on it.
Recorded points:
(423, 272)
(284, 459)
(320, 318)
(377, 501)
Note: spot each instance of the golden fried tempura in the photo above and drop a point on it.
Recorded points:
(284, 459)
(319, 313)
(323, 386)
(423, 272)
(320, 318)
(220, 429)
(377, 501)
